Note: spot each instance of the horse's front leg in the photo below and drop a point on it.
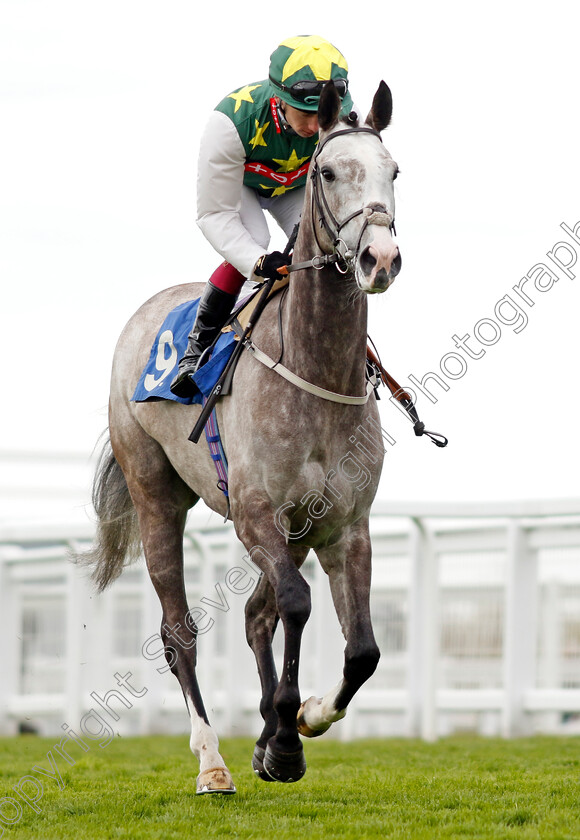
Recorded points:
(348, 565)
(283, 592)
(261, 622)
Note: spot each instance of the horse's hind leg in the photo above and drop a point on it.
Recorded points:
(348, 564)
(162, 500)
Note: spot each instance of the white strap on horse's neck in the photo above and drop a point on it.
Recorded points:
(302, 383)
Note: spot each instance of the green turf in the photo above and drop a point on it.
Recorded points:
(462, 787)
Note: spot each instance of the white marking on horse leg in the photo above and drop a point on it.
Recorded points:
(204, 741)
(214, 776)
(317, 714)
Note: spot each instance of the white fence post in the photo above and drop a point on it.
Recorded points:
(520, 624)
(10, 652)
(75, 609)
(423, 633)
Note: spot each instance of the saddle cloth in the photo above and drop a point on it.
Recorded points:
(170, 345)
(168, 348)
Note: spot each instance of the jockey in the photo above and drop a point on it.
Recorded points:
(254, 156)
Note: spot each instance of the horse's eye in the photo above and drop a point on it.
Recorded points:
(397, 170)
(327, 173)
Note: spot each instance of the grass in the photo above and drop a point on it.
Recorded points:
(460, 787)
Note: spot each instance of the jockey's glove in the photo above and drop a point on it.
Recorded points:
(268, 264)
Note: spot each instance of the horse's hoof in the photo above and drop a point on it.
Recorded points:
(217, 780)
(284, 767)
(306, 730)
(258, 764)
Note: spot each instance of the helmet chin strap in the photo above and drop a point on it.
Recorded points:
(286, 127)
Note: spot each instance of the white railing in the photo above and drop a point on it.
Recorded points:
(476, 611)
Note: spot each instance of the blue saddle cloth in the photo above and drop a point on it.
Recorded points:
(168, 348)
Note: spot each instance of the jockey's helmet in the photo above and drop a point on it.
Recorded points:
(299, 68)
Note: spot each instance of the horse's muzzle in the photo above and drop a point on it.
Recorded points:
(379, 265)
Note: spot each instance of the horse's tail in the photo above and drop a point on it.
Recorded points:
(117, 540)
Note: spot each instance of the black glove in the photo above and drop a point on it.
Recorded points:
(268, 265)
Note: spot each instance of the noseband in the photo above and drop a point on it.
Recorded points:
(375, 214)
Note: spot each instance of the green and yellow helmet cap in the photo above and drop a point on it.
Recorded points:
(300, 66)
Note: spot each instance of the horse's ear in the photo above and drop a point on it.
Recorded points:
(380, 114)
(328, 106)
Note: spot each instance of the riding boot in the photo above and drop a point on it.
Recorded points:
(214, 307)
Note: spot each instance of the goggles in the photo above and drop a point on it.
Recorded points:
(308, 91)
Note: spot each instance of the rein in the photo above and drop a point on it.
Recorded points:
(374, 215)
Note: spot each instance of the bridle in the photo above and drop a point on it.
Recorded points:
(374, 214)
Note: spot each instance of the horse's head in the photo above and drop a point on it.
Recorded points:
(352, 191)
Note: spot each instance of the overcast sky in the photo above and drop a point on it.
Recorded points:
(102, 105)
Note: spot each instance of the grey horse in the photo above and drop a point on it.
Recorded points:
(304, 456)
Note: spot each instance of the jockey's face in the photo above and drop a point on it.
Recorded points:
(304, 123)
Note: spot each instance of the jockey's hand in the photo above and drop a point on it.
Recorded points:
(268, 265)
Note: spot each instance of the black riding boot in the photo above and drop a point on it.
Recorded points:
(214, 307)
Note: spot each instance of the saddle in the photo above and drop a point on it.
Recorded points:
(241, 316)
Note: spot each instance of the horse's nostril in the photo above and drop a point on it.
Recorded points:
(396, 264)
(367, 261)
